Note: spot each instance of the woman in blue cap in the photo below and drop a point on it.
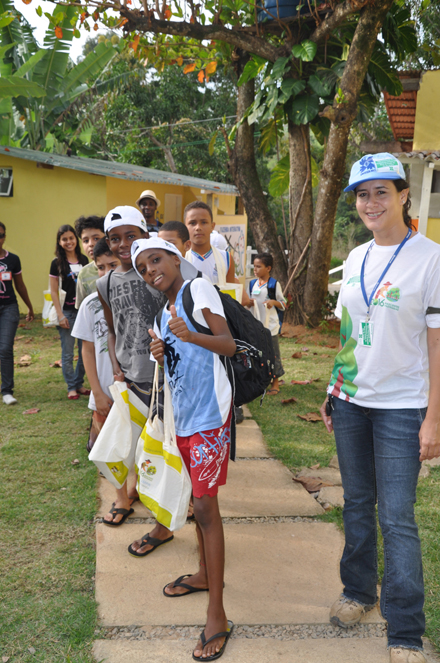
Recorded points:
(383, 403)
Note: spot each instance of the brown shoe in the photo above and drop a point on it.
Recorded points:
(345, 612)
(399, 655)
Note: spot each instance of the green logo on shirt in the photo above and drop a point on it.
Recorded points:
(393, 294)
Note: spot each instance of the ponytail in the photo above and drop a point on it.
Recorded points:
(400, 186)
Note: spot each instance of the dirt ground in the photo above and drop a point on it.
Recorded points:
(327, 335)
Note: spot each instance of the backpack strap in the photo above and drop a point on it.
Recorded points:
(252, 282)
(271, 288)
(188, 307)
(108, 287)
(159, 317)
(221, 267)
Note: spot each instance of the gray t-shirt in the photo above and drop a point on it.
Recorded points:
(134, 306)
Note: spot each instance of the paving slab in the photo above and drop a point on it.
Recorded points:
(250, 443)
(248, 423)
(282, 573)
(107, 495)
(264, 488)
(246, 412)
(329, 474)
(333, 495)
(259, 650)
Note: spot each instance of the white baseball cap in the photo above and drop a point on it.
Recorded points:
(383, 166)
(124, 215)
(187, 269)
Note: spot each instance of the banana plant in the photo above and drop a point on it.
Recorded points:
(42, 83)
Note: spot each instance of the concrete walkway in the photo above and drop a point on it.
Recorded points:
(281, 577)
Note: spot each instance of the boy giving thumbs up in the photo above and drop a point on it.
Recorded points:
(202, 405)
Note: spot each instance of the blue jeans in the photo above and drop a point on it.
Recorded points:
(74, 377)
(9, 319)
(378, 452)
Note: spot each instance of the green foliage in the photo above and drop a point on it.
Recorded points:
(426, 16)
(279, 182)
(14, 86)
(304, 109)
(46, 81)
(305, 51)
(173, 111)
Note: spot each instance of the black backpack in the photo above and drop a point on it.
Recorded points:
(252, 368)
(253, 363)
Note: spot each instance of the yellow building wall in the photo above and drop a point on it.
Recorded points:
(433, 230)
(43, 200)
(426, 133)
(126, 192)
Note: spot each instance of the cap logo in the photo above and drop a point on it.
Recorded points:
(115, 216)
(367, 165)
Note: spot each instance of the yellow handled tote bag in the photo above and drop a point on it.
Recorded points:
(114, 450)
(164, 485)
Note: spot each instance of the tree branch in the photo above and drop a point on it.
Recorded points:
(249, 43)
(335, 19)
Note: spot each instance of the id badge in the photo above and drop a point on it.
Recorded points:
(5, 276)
(366, 334)
(256, 290)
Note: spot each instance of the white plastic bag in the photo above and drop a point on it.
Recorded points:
(49, 315)
(164, 485)
(114, 450)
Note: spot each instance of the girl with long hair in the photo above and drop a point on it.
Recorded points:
(63, 273)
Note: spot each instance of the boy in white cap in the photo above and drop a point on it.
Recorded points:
(202, 406)
(148, 204)
(130, 307)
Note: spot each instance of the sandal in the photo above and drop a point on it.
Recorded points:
(84, 391)
(271, 392)
(151, 541)
(224, 634)
(73, 397)
(114, 512)
(179, 583)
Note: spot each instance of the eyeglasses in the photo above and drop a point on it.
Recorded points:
(2, 235)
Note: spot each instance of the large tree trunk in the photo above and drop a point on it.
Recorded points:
(301, 219)
(244, 171)
(341, 115)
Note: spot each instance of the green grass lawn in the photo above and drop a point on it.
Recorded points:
(47, 504)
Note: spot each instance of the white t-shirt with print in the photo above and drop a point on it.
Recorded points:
(393, 372)
(90, 325)
(268, 316)
(207, 265)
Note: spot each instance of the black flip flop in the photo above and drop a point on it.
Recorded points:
(151, 541)
(114, 512)
(179, 583)
(223, 634)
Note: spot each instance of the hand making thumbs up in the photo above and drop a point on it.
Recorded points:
(178, 326)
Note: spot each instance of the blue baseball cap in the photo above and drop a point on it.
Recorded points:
(383, 166)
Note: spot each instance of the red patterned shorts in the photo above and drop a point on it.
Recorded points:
(206, 457)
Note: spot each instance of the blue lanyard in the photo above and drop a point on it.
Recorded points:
(394, 256)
